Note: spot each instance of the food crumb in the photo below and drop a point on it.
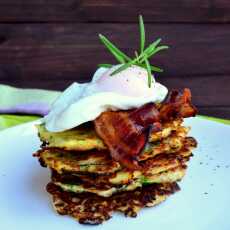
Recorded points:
(205, 193)
(201, 163)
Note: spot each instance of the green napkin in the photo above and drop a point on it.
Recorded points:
(26, 101)
(7, 121)
(23, 101)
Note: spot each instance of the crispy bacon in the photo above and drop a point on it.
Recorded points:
(125, 132)
(178, 105)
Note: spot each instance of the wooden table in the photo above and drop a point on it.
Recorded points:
(49, 43)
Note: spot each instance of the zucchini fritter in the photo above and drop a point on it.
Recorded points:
(78, 139)
(92, 209)
(100, 161)
(85, 138)
(168, 176)
(65, 161)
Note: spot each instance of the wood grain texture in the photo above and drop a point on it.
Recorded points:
(114, 11)
(72, 52)
(52, 56)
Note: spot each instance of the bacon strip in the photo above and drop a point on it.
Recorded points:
(178, 105)
(125, 132)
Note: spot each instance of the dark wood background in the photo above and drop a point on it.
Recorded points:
(50, 43)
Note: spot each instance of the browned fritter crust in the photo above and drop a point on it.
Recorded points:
(190, 142)
(167, 129)
(101, 162)
(88, 135)
(76, 161)
(155, 165)
(171, 144)
(92, 209)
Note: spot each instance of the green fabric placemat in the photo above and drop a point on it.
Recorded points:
(7, 121)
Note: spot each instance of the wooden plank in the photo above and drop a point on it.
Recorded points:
(72, 51)
(207, 91)
(114, 11)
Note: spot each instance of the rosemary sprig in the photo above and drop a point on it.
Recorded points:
(140, 59)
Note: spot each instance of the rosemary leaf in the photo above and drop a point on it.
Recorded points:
(123, 67)
(128, 64)
(142, 33)
(156, 69)
(150, 49)
(153, 68)
(149, 53)
(105, 65)
(152, 46)
(149, 72)
(118, 54)
(159, 48)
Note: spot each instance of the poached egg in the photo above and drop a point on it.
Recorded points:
(81, 103)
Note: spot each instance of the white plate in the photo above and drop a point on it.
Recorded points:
(203, 202)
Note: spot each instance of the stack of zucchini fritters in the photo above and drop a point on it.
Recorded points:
(88, 184)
